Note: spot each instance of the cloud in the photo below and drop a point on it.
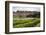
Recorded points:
(26, 9)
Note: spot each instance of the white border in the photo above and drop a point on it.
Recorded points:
(11, 29)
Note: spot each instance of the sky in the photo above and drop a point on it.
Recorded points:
(26, 9)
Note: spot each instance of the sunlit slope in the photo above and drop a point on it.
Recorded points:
(26, 23)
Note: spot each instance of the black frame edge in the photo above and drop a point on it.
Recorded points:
(6, 17)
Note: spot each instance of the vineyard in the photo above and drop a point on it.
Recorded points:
(26, 19)
(26, 22)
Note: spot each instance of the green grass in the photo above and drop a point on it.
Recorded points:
(21, 21)
(26, 23)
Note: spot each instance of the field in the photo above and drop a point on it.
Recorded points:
(26, 22)
(23, 19)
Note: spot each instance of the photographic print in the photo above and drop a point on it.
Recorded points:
(26, 17)
(22, 17)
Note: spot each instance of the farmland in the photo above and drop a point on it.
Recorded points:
(26, 22)
(23, 19)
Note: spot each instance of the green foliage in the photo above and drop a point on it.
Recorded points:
(26, 23)
(21, 21)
